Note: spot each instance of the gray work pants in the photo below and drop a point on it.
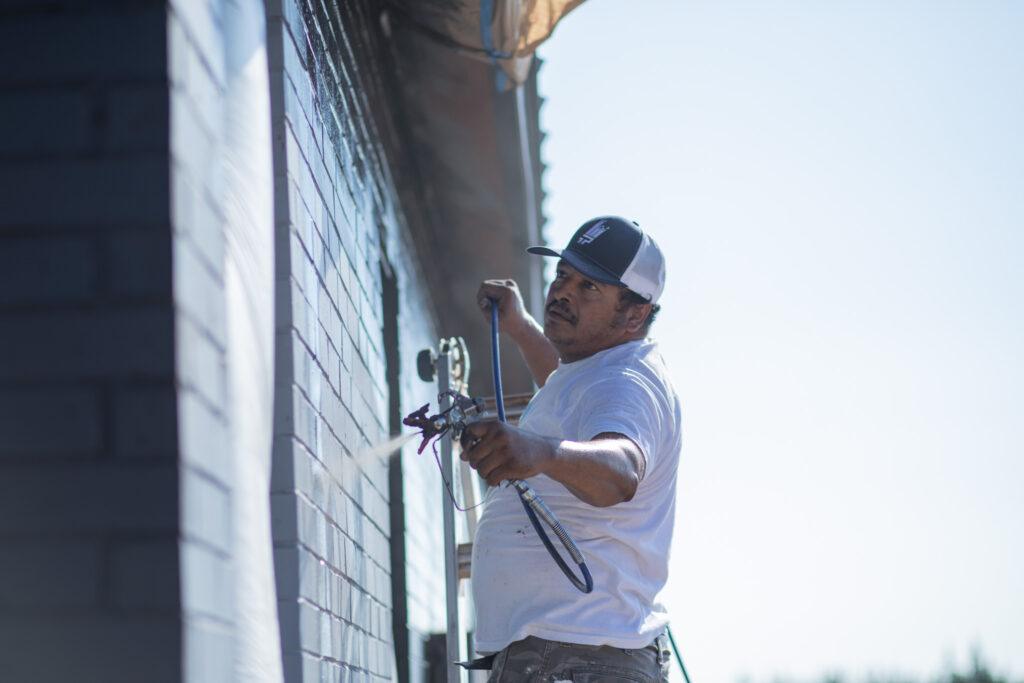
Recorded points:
(536, 660)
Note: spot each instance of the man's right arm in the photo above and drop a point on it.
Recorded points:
(540, 355)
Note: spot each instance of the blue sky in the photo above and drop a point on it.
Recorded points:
(839, 189)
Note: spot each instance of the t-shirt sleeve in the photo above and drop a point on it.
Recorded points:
(626, 404)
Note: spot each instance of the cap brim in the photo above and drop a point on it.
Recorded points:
(543, 251)
(580, 263)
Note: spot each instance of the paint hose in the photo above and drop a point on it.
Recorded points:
(534, 505)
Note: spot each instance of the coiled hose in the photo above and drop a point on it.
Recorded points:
(535, 507)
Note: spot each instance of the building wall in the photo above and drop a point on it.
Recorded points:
(337, 221)
(195, 40)
(88, 442)
(117, 490)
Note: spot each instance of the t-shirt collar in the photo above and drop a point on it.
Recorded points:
(603, 354)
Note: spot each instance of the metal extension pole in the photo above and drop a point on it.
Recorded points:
(451, 559)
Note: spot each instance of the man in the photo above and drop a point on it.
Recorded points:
(599, 442)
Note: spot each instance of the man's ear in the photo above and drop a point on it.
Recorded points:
(637, 315)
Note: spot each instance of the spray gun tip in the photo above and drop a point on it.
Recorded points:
(417, 417)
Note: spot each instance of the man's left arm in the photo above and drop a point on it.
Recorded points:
(602, 471)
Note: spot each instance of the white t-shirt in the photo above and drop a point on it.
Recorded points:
(518, 590)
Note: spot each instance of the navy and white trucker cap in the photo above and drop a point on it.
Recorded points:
(615, 251)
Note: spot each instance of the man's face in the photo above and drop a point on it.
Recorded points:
(583, 316)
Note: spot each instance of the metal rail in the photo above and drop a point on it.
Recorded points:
(453, 649)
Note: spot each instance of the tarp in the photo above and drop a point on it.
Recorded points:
(504, 31)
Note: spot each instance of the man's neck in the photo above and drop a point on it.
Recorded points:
(570, 356)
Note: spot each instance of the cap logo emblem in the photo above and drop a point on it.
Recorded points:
(593, 233)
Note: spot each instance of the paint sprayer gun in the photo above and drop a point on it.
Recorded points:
(453, 419)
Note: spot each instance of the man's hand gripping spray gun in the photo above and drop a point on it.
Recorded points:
(455, 419)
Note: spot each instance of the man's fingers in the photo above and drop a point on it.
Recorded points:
(477, 442)
(488, 464)
(474, 430)
(470, 444)
(497, 290)
(498, 475)
(489, 293)
(477, 430)
(477, 452)
(494, 288)
(481, 429)
(485, 300)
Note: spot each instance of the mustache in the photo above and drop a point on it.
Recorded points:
(562, 310)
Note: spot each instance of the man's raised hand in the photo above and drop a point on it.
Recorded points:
(512, 315)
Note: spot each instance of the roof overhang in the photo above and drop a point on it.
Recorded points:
(470, 171)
